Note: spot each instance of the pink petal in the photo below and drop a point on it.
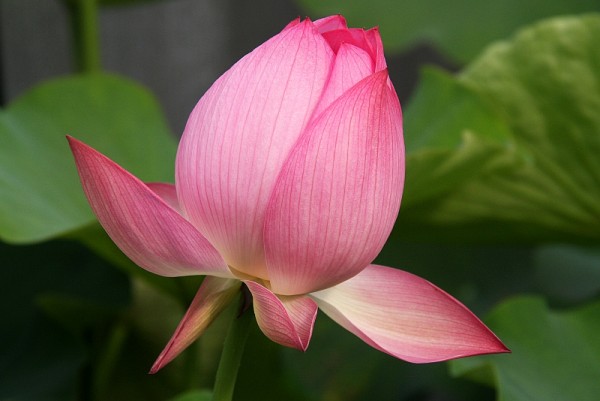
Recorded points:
(406, 316)
(167, 193)
(339, 193)
(331, 23)
(353, 36)
(291, 24)
(239, 136)
(352, 65)
(376, 46)
(285, 320)
(214, 295)
(145, 227)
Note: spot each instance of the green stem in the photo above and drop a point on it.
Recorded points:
(231, 357)
(108, 359)
(84, 17)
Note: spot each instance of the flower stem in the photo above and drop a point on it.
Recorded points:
(84, 20)
(231, 357)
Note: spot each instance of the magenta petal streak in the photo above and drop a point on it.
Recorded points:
(145, 227)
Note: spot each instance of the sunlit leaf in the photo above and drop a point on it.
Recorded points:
(555, 354)
(544, 86)
(41, 194)
(451, 136)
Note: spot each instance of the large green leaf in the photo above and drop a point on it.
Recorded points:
(545, 85)
(451, 136)
(460, 28)
(41, 194)
(555, 355)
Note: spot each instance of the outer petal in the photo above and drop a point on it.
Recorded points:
(339, 193)
(167, 192)
(352, 65)
(145, 227)
(368, 40)
(286, 320)
(407, 317)
(374, 40)
(213, 296)
(239, 136)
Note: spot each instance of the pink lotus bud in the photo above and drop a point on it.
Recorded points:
(289, 177)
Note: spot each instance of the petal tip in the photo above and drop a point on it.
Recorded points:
(74, 143)
(286, 320)
(165, 357)
(156, 367)
(407, 317)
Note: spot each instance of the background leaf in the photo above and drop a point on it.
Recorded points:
(461, 28)
(544, 84)
(555, 355)
(41, 193)
(464, 139)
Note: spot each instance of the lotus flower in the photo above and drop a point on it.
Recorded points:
(288, 180)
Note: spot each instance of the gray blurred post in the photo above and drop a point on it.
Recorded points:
(177, 48)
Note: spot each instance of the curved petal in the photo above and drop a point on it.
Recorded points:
(167, 193)
(285, 320)
(376, 45)
(239, 135)
(331, 23)
(352, 65)
(338, 195)
(406, 316)
(291, 24)
(145, 227)
(354, 36)
(213, 296)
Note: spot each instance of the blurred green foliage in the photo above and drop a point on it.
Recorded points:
(502, 165)
(555, 355)
(57, 300)
(110, 113)
(461, 29)
(508, 150)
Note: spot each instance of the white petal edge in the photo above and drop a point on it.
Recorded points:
(406, 316)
